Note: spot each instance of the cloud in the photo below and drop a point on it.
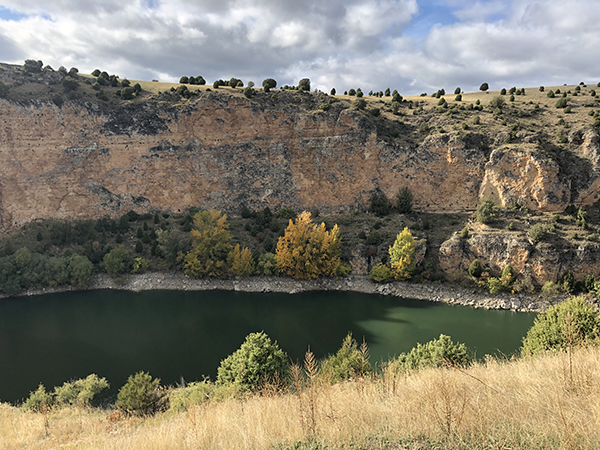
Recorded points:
(341, 43)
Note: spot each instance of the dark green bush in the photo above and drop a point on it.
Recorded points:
(404, 200)
(80, 392)
(39, 400)
(538, 232)
(257, 362)
(485, 211)
(380, 205)
(140, 396)
(436, 353)
(475, 269)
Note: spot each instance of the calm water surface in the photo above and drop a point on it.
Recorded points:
(185, 334)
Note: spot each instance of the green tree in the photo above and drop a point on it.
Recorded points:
(387, 92)
(269, 83)
(332, 91)
(304, 84)
(117, 262)
(484, 87)
(95, 73)
(457, 91)
(380, 205)
(436, 353)
(249, 92)
(561, 102)
(80, 270)
(184, 80)
(257, 362)
(349, 362)
(404, 200)
(33, 66)
(402, 255)
(140, 396)
(485, 211)
(351, 92)
(572, 323)
(211, 244)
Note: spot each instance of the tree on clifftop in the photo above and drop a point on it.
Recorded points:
(484, 87)
(304, 84)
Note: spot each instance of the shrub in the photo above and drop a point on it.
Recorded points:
(485, 211)
(457, 91)
(571, 323)
(484, 87)
(197, 393)
(503, 91)
(464, 233)
(458, 98)
(360, 104)
(404, 200)
(380, 273)
(258, 361)
(33, 66)
(80, 392)
(475, 269)
(476, 120)
(436, 353)
(332, 91)
(140, 396)
(561, 102)
(538, 232)
(349, 362)
(39, 400)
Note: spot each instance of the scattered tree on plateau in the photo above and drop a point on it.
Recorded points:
(308, 250)
(402, 255)
(210, 245)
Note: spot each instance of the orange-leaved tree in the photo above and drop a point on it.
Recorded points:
(210, 245)
(307, 250)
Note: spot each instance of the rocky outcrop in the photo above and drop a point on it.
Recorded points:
(535, 263)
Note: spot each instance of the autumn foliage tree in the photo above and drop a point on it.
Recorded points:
(307, 250)
(211, 244)
(240, 261)
(402, 255)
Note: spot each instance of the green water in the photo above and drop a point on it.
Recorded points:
(180, 334)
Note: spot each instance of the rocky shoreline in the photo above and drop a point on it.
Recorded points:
(434, 292)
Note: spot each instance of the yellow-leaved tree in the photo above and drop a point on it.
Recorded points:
(307, 250)
(402, 255)
(240, 261)
(211, 244)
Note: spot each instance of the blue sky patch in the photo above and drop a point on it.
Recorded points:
(8, 14)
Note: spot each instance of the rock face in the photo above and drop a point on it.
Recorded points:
(223, 151)
(534, 263)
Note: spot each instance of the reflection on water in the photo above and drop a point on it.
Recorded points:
(175, 334)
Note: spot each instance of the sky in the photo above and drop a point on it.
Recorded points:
(413, 46)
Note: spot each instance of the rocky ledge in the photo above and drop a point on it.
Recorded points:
(442, 293)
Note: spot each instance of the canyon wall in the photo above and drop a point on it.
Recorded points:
(224, 151)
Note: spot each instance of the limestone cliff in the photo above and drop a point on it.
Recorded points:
(224, 151)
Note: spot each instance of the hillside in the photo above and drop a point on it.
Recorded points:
(72, 149)
(550, 402)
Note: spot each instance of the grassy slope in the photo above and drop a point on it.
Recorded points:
(520, 404)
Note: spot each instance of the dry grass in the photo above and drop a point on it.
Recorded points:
(523, 404)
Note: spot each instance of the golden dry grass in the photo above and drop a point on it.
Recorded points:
(524, 404)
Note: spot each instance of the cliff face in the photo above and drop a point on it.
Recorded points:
(223, 151)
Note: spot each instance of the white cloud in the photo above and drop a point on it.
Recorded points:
(341, 43)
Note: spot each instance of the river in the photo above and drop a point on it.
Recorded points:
(178, 335)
